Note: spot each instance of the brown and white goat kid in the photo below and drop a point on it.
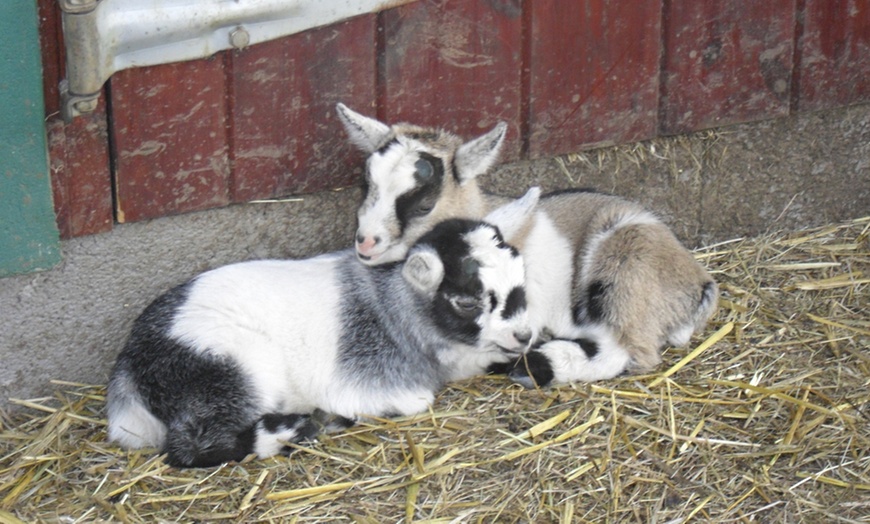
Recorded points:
(608, 284)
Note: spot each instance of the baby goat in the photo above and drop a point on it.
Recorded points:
(248, 357)
(608, 283)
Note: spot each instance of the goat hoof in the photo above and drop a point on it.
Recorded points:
(534, 370)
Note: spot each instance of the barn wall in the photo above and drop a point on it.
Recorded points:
(566, 76)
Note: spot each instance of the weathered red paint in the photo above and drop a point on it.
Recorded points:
(833, 54)
(170, 138)
(51, 44)
(80, 180)
(78, 151)
(725, 62)
(453, 64)
(565, 75)
(594, 73)
(285, 136)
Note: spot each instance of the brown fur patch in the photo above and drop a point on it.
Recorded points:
(654, 283)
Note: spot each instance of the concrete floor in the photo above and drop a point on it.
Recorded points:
(69, 323)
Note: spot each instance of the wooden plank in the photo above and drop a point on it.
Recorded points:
(80, 177)
(78, 151)
(833, 54)
(594, 73)
(170, 139)
(725, 61)
(51, 44)
(285, 135)
(455, 65)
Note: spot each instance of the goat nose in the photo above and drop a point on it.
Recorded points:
(523, 337)
(362, 239)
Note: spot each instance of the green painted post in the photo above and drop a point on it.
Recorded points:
(28, 232)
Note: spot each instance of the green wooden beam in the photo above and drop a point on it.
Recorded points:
(28, 232)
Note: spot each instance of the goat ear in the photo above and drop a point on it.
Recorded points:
(477, 156)
(424, 271)
(366, 133)
(513, 218)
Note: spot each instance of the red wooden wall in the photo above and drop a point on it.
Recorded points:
(260, 122)
(593, 73)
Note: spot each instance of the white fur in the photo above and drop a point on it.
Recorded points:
(270, 443)
(475, 157)
(500, 272)
(259, 313)
(391, 172)
(377, 212)
(467, 361)
(367, 134)
(511, 216)
(133, 426)
(549, 260)
(424, 270)
(270, 331)
(570, 363)
(681, 335)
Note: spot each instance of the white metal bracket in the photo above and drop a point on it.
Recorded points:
(106, 36)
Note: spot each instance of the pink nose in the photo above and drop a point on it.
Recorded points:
(365, 245)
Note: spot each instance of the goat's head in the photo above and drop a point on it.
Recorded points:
(415, 177)
(474, 279)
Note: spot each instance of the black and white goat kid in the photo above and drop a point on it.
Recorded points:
(608, 284)
(247, 357)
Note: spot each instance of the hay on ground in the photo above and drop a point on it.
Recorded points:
(763, 418)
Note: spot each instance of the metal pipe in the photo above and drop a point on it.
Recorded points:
(106, 36)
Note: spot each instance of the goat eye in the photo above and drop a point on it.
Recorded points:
(422, 209)
(424, 169)
(465, 306)
(470, 266)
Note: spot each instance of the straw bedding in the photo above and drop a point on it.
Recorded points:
(765, 417)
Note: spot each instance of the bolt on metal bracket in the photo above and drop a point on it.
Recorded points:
(103, 37)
